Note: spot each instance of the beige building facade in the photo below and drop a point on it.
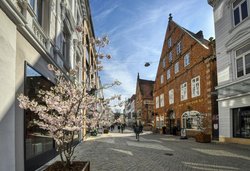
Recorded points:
(33, 34)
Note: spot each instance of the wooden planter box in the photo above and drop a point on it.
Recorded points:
(76, 166)
(105, 131)
(203, 138)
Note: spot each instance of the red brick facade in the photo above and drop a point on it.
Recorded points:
(144, 100)
(202, 65)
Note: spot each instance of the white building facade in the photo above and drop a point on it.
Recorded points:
(33, 34)
(232, 32)
(129, 111)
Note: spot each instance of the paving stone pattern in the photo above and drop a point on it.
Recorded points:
(122, 152)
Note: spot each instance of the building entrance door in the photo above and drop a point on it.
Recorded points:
(171, 122)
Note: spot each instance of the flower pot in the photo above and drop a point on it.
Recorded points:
(76, 166)
(203, 138)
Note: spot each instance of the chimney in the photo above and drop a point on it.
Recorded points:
(199, 35)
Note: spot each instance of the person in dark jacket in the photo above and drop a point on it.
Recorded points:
(137, 129)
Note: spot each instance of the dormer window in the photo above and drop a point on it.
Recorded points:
(240, 11)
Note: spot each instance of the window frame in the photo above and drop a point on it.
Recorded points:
(193, 84)
(240, 11)
(162, 79)
(157, 100)
(170, 56)
(164, 62)
(176, 67)
(187, 56)
(178, 48)
(243, 57)
(171, 96)
(183, 88)
(161, 100)
(168, 74)
(169, 42)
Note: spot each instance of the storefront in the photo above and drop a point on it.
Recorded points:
(241, 122)
(39, 146)
(234, 112)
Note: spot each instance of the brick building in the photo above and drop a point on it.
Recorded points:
(144, 101)
(185, 80)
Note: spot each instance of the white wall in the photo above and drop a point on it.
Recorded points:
(7, 92)
(228, 40)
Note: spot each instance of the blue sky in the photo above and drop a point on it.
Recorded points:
(136, 29)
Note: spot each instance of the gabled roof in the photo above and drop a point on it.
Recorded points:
(196, 36)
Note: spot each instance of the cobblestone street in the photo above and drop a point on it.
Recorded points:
(116, 151)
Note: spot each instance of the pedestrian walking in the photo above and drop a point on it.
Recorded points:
(119, 128)
(122, 128)
(137, 129)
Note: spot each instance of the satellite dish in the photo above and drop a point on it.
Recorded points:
(147, 64)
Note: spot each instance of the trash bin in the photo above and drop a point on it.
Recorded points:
(164, 130)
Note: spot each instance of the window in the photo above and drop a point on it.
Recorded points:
(168, 74)
(186, 59)
(161, 100)
(240, 11)
(170, 56)
(164, 63)
(190, 119)
(37, 6)
(241, 122)
(243, 61)
(176, 67)
(39, 145)
(195, 84)
(178, 48)
(169, 42)
(162, 79)
(157, 102)
(171, 96)
(184, 91)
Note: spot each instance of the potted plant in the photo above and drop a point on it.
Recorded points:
(203, 123)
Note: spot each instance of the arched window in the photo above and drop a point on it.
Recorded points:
(190, 119)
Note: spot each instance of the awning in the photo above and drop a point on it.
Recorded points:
(234, 89)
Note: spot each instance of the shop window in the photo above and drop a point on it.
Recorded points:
(37, 140)
(190, 119)
(241, 122)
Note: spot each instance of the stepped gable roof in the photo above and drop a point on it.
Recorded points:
(146, 88)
